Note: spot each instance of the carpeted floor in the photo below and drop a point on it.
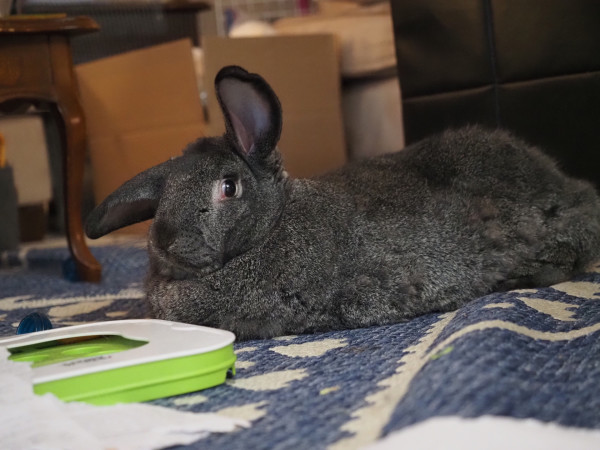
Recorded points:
(523, 354)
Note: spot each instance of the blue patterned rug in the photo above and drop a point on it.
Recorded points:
(522, 354)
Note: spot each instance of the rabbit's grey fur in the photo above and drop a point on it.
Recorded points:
(429, 228)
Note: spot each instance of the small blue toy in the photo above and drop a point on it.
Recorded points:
(34, 322)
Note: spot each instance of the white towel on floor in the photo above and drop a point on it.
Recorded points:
(45, 422)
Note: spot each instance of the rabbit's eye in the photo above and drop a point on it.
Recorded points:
(228, 188)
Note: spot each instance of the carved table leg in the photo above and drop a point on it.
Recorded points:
(88, 269)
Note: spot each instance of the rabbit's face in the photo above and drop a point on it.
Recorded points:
(220, 198)
(213, 208)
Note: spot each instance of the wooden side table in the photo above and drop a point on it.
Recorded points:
(36, 66)
(126, 25)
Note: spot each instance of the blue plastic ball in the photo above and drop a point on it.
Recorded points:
(34, 322)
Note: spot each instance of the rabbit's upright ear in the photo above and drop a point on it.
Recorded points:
(135, 201)
(252, 111)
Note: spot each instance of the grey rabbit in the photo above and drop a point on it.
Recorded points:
(237, 244)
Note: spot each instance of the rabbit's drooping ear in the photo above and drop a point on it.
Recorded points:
(135, 201)
(252, 111)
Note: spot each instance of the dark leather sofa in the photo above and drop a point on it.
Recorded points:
(531, 66)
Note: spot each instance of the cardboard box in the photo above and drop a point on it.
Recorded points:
(27, 153)
(304, 72)
(141, 108)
